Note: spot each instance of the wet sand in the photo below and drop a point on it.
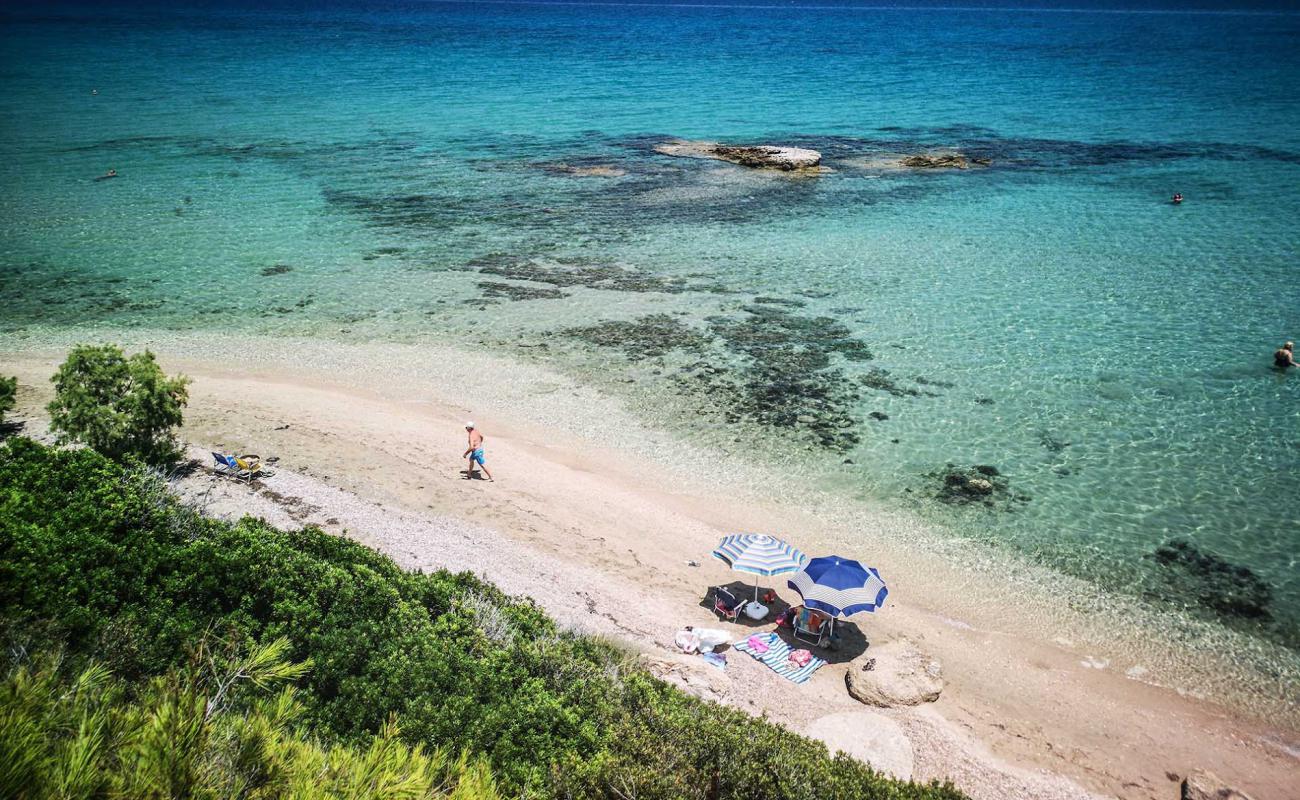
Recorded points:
(596, 518)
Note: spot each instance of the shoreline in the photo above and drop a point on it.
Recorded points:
(586, 497)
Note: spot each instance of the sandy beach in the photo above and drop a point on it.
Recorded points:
(599, 520)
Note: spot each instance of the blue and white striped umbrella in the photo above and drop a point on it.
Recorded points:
(758, 554)
(839, 586)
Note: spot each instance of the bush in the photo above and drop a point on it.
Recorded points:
(118, 406)
(210, 729)
(8, 386)
(101, 559)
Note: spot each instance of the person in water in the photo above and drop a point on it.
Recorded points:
(474, 452)
(112, 173)
(1285, 356)
(1178, 198)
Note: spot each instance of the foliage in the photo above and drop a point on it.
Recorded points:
(103, 560)
(117, 405)
(8, 387)
(210, 729)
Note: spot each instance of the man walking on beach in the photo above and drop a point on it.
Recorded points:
(474, 452)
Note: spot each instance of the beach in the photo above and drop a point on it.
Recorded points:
(906, 285)
(597, 518)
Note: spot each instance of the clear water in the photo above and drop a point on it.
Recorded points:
(1107, 351)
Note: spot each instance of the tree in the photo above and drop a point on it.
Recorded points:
(117, 405)
(7, 388)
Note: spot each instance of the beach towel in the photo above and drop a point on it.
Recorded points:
(777, 657)
(718, 660)
(758, 643)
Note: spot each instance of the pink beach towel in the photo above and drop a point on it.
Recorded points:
(801, 657)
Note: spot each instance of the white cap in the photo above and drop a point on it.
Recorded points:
(469, 424)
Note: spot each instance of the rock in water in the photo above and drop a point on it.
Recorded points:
(943, 161)
(1215, 582)
(866, 736)
(901, 675)
(760, 156)
(1205, 785)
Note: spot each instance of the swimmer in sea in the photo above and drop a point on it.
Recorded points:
(1284, 358)
(1178, 198)
(112, 173)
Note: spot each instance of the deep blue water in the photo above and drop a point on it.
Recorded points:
(1051, 314)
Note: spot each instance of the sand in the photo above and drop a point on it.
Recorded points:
(598, 519)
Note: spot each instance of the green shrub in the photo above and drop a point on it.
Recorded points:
(103, 560)
(117, 405)
(211, 729)
(8, 387)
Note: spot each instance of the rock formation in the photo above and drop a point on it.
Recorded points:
(895, 674)
(866, 736)
(762, 156)
(1205, 785)
(943, 161)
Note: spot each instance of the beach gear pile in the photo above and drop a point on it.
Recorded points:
(830, 587)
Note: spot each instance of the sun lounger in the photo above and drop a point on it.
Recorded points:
(727, 604)
(777, 657)
(241, 468)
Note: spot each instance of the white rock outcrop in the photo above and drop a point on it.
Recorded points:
(895, 674)
(760, 156)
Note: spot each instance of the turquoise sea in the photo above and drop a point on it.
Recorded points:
(487, 173)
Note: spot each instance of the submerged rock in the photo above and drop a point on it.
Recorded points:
(651, 335)
(763, 156)
(586, 171)
(511, 291)
(943, 161)
(1205, 785)
(1214, 582)
(895, 674)
(982, 483)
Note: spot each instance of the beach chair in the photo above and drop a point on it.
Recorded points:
(241, 468)
(812, 626)
(223, 467)
(252, 465)
(728, 606)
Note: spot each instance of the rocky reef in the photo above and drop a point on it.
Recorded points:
(570, 272)
(981, 484)
(768, 366)
(761, 156)
(1214, 582)
(942, 161)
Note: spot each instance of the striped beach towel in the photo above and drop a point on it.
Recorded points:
(777, 658)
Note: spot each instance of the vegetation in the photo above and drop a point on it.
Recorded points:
(122, 407)
(200, 731)
(100, 559)
(8, 387)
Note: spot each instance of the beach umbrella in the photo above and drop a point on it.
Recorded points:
(839, 586)
(759, 554)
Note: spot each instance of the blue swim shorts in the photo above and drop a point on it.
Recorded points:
(477, 456)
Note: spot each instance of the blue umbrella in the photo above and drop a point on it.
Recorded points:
(758, 554)
(839, 586)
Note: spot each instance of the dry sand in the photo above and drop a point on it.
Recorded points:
(597, 518)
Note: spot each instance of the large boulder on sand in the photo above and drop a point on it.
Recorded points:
(1205, 785)
(866, 736)
(895, 674)
(760, 156)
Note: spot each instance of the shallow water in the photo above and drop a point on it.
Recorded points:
(405, 171)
